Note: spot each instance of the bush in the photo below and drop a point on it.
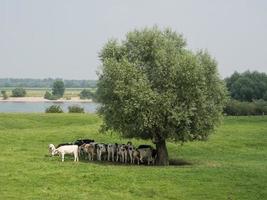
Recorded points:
(261, 107)
(238, 108)
(54, 109)
(4, 94)
(76, 109)
(86, 94)
(49, 96)
(18, 92)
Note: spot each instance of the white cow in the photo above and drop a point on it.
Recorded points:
(66, 149)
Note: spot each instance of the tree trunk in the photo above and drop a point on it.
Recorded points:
(162, 153)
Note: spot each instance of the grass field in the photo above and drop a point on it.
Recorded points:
(232, 164)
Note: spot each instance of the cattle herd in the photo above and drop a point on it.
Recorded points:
(124, 153)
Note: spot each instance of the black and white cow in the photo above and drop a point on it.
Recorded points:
(101, 151)
(147, 153)
(122, 153)
(130, 150)
(82, 141)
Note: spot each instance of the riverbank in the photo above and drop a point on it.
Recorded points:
(42, 99)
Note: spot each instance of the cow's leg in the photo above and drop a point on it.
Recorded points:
(62, 157)
(131, 158)
(141, 159)
(112, 155)
(117, 157)
(125, 157)
(76, 157)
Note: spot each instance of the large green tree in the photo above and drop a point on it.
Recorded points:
(151, 87)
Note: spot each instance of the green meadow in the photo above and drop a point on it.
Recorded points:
(232, 164)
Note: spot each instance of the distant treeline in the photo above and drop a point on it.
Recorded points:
(248, 93)
(45, 83)
(247, 86)
(241, 108)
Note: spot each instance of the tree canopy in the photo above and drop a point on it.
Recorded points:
(247, 86)
(58, 88)
(18, 92)
(150, 86)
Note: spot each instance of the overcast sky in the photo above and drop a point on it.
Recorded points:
(62, 38)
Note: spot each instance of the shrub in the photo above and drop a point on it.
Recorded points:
(49, 96)
(76, 109)
(86, 94)
(4, 94)
(261, 107)
(18, 92)
(239, 108)
(54, 109)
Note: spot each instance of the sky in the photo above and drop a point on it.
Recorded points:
(62, 38)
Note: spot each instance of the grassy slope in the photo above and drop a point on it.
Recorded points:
(232, 164)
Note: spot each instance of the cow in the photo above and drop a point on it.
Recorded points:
(66, 149)
(112, 151)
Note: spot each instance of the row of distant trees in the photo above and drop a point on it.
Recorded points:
(46, 83)
(58, 90)
(247, 86)
(248, 93)
(241, 108)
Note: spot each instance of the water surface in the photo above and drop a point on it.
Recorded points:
(41, 106)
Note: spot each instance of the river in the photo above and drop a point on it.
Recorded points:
(28, 107)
